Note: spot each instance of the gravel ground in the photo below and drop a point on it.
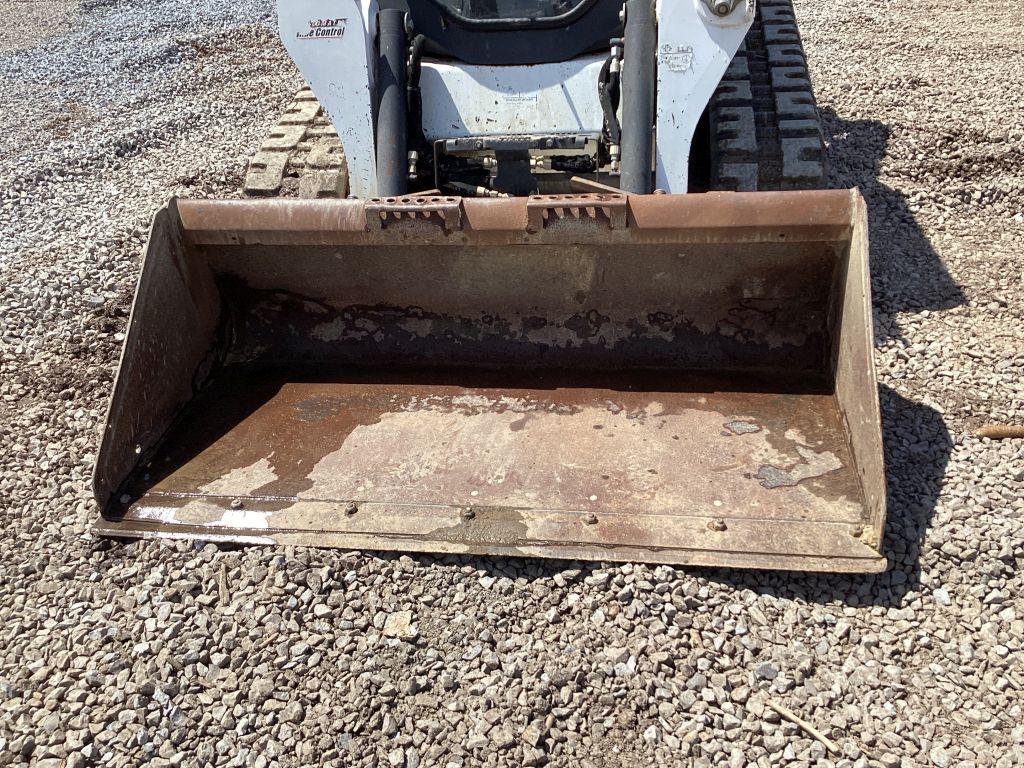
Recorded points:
(160, 653)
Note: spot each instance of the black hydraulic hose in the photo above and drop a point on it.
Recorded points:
(607, 90)
(416, 59)
(414, 98)
(469, 190)
(615, 76)
(573, 163)
(638, 86)
(392, 118)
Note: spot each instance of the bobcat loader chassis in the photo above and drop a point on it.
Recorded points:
(617, 375)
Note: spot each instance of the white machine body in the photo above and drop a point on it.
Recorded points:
(332, 43)
(461, 100)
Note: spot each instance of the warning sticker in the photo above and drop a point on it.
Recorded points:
(676, 58)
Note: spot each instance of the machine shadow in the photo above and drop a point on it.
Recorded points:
(907, 274)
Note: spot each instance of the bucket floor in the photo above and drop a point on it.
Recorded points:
(644, 466)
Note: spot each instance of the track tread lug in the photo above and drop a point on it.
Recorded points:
(302, 155)
(784, 144)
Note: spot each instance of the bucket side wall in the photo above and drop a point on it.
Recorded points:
(172, 334)
(856, 385)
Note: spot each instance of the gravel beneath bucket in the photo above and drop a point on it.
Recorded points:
(170, 653)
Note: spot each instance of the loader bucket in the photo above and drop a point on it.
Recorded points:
(679, 379)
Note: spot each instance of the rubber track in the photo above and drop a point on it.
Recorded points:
(765, 129)
(301, 157)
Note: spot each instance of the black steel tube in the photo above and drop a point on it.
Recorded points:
(392, 120)
(638, 86)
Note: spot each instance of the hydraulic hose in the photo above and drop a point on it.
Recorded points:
(607, 86)
(414, 98)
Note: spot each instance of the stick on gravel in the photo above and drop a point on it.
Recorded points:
(1000, 431)
(809, 729)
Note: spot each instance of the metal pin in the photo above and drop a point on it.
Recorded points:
(236, 504)
(351, 508)
(718, 524)
(590, 518)
(468, 513)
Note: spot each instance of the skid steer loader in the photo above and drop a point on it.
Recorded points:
(580, 296)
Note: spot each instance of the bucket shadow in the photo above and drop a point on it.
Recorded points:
(907, 274)
(917, 449)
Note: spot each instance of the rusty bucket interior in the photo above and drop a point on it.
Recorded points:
(680, 379)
